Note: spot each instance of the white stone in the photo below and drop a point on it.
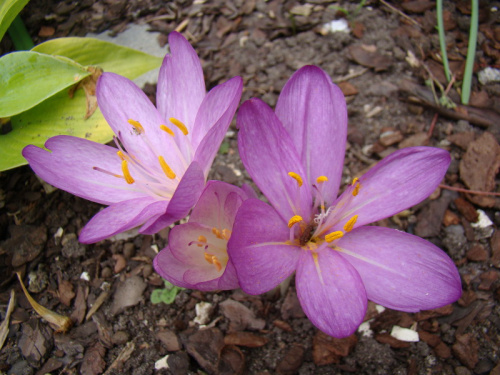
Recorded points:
(483, 220)
(404, 334)
(364, 329)
(336, 26)
(203, 312)
(488, 75)
(162, 363)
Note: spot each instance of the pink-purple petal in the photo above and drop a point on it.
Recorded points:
(120, 100)
(313, 111)
(333, 297)
(401, 271)
(185, 196)
(268, 154)
(213, 119)
(120, 217)
(69, 165)
(399, 181)
(170, 268)
(181, 86)
(258, 250)
(218, 205)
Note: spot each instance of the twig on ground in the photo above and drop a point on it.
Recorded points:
(4, 327)
(400, 13)
(475, 192)
(122, 357)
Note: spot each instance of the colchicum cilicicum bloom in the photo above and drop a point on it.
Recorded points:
(196, 255)
(163, 155)
(295, 156)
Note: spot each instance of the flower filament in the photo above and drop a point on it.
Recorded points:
(318, 234)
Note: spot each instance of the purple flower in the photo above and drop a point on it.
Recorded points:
(164, 154)
(196, 257)
(295, 156)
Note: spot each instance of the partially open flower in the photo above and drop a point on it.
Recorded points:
(296, 157)
(163, 155)
(196, 256)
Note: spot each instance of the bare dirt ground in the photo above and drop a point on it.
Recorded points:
(382, 65)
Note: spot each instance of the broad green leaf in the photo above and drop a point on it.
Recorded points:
(61, 115)
(166, 295)
(56, 115)
(110, 57)
(28, 78)
(9, 9)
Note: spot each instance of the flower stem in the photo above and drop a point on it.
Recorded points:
(442, 39)
(471, 52)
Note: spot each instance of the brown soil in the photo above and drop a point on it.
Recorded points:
(265, 42)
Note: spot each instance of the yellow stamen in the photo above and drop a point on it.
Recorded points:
(201, 239)
(166, 129)
(217, 233)
(180, 125)
(294, 220)
(212, 259)
(321, 179)
(357, 186)
(137, 126)
(350, 224)
(216, 263)
(121, 155)
(166, 169)
(334, 236)
(126, 172)
(226, 234)
(296, 177)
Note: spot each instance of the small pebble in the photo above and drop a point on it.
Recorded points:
(106, 272)
(147, 271)
(128, 250)
(120, 338)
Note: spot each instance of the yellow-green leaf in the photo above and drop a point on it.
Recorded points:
(9, 9)
(28, 78)
(109, 57)
(57, 115)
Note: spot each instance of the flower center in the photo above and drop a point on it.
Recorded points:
(148, 178)
(326, 227)
(215, 248)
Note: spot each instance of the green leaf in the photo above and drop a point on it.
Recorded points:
(58, 115)
(110, 57)
(9, 9)
(224, 148)
(29, 78)
(166, 295)
(62, 115)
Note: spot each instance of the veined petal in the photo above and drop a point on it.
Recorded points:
(399, 181)
(330, 292)
(181, 86)
(213, 119)
(268, 154)
(185, 246)
(120, 217)
(313, 111)
(258, 248)
(120, 100)
(401, 271)
(170, 268)
(69, 165)
(218, 205)
(185, 196)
